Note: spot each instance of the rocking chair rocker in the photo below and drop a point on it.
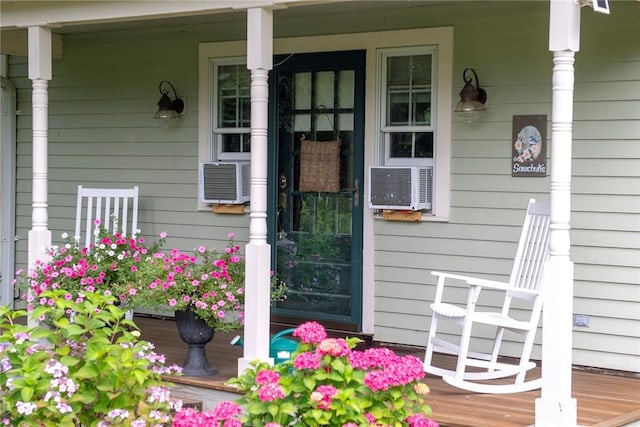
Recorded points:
(526, 284)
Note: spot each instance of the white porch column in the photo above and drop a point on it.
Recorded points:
(556, 407)
(39, 74)
(258, 251)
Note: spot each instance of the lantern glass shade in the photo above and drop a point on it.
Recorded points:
(168, 109)
(472, 98)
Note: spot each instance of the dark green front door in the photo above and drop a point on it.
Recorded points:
(316, 181)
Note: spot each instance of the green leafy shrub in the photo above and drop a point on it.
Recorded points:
(84, 366)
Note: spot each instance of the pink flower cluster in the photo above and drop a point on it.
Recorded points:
(269, 389)
(310, 332)
(113, 259)
(386, 369)
(322, 396)
(225, 414)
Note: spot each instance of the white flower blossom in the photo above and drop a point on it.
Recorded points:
(25, 408)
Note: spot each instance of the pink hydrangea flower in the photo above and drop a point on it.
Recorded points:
(306, 360)
(267, 377)
(419, 420)
(226, 410)
(335, 347)
(270, 392)
(310, 332)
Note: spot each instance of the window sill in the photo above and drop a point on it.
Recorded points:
(424, 217)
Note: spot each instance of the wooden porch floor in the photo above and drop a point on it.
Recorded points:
(604, 400)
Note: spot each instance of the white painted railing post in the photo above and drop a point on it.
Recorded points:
(556, 407)
(39, 73)
(258, 251)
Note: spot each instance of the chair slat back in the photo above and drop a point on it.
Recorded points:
(114, 209)
(533, 247)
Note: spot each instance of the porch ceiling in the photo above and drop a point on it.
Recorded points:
(137, 18)
(68, 17)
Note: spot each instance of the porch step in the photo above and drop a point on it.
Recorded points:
(189, 402)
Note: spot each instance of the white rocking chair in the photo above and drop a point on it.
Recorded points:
(525, 283)
(114, 209)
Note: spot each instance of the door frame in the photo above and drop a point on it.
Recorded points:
(318, 60)
(7, 190)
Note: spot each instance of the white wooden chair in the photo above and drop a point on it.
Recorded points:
(526, 284)
(116, 210)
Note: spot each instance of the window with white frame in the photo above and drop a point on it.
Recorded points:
(408, 95)
(231, 101)
(407, 141)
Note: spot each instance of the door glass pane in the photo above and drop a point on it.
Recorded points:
(302, 122)
(346, 121)
(346, 95)
(324, 89)
(302, 91)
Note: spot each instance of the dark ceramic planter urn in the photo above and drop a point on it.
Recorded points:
(196, 334)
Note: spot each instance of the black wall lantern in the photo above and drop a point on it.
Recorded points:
(168, 109)
(473, 99)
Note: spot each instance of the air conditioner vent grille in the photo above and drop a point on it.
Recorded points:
(225, 182)
(400, 188)
(395, 185)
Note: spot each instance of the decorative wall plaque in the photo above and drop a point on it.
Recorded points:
(529, 146)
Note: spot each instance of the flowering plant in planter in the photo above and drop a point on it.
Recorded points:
(327, 383)
(114, 264)
(89, 369)
(209, 282)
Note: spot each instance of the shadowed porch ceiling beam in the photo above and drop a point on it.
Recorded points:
(16, 42)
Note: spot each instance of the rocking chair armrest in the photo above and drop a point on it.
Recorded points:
(502, 286)
(452, 276)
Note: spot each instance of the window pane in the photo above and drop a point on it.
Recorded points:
(236, 142)
(245, 112)
(398, 71)
(398, 113)
(228, 112)
(401, 145)
(233, 93)
(246, 142)
(424, 145)
(421, 109)
(231, 143)
(227, 77)
(421, 70)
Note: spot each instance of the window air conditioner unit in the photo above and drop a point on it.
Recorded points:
(225, 182)
(400, 187)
